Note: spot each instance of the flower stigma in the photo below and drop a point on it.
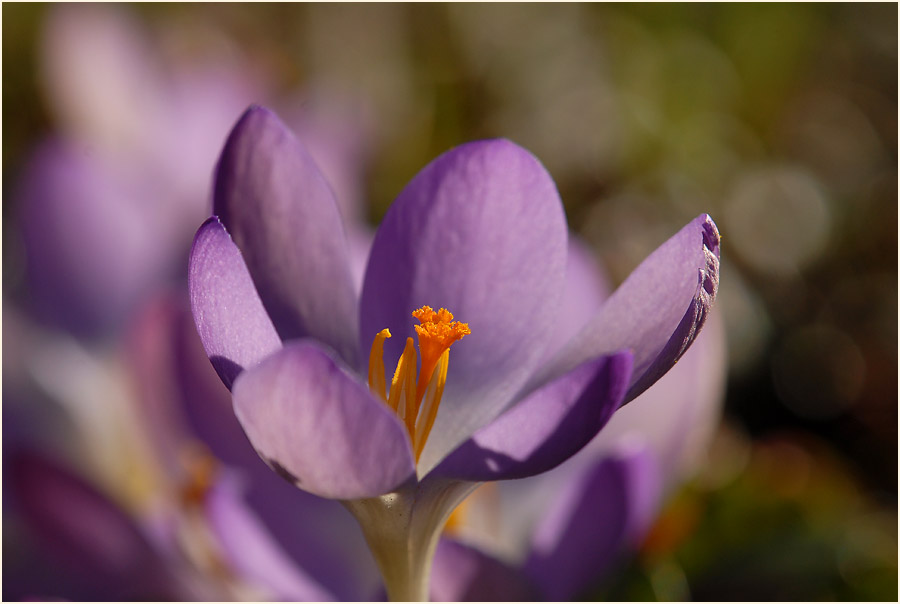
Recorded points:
(414, 399)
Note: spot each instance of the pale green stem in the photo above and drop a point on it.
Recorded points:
(402, 530)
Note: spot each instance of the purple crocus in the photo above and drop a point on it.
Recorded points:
(480, 232)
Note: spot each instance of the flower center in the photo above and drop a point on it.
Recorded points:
(416, 400)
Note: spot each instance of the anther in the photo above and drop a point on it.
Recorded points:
(416, 400)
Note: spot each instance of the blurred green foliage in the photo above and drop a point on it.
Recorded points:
(786, 521)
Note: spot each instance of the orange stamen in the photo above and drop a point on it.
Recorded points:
(436, 332)
(376, 365)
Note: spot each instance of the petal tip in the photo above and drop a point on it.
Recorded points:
(210, 223)
(494, 151)
(709, 275)
(505, 149)
(257, 128)
(710, 234)
(257, 111)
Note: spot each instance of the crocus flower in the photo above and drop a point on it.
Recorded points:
(480, 232)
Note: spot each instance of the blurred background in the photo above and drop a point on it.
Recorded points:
(780, 121)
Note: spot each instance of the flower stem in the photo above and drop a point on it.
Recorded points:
(405, 568)
(402, 530)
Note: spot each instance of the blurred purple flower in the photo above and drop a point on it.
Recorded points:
(205, 544)
(90, 240)
(105, 201)
(107, 554)
(481, 231)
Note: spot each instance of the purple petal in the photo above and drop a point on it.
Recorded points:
(545, 429)
(657, 312)
(90, 239)
(678, 415)
(232, 323)
(594, 520)
(280, 211)
(480, 231)
(320, 428)
(252, 551)
(464, 574)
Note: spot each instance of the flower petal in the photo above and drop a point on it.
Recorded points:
(593, 521)
(480, 231)
(320, 428)
(279, 209)
(91, 277)
(678, 415)
(546, 428)
(657, 312)
(232, 323)
(464, 574)
(252, 550)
